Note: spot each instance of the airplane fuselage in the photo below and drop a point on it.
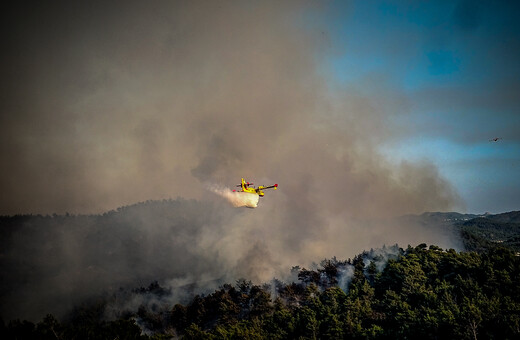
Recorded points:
(252, 190)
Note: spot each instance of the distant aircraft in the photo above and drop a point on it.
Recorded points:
(496, 139)
(247, 187)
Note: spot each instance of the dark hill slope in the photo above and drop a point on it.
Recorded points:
(51, 263)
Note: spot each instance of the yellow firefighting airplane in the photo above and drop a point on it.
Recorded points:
(252, 190)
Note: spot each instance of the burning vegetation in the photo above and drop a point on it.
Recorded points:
(421, 292)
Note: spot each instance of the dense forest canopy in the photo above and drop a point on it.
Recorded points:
(422, 291)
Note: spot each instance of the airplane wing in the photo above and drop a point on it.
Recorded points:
(269, 187)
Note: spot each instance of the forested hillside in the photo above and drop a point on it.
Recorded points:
(477, 232)
(51, 263)
(418, 292)
(493, 230)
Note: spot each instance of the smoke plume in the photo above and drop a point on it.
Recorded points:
(108, 106)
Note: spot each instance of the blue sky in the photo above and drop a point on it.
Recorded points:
(458, 66)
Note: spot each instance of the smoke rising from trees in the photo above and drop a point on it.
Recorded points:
(55, 263)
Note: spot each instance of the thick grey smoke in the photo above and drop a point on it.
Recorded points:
(109, 105)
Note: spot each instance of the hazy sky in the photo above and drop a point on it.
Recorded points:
(354, 107)
(457, 65)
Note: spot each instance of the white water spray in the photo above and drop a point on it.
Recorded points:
(236, 198)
